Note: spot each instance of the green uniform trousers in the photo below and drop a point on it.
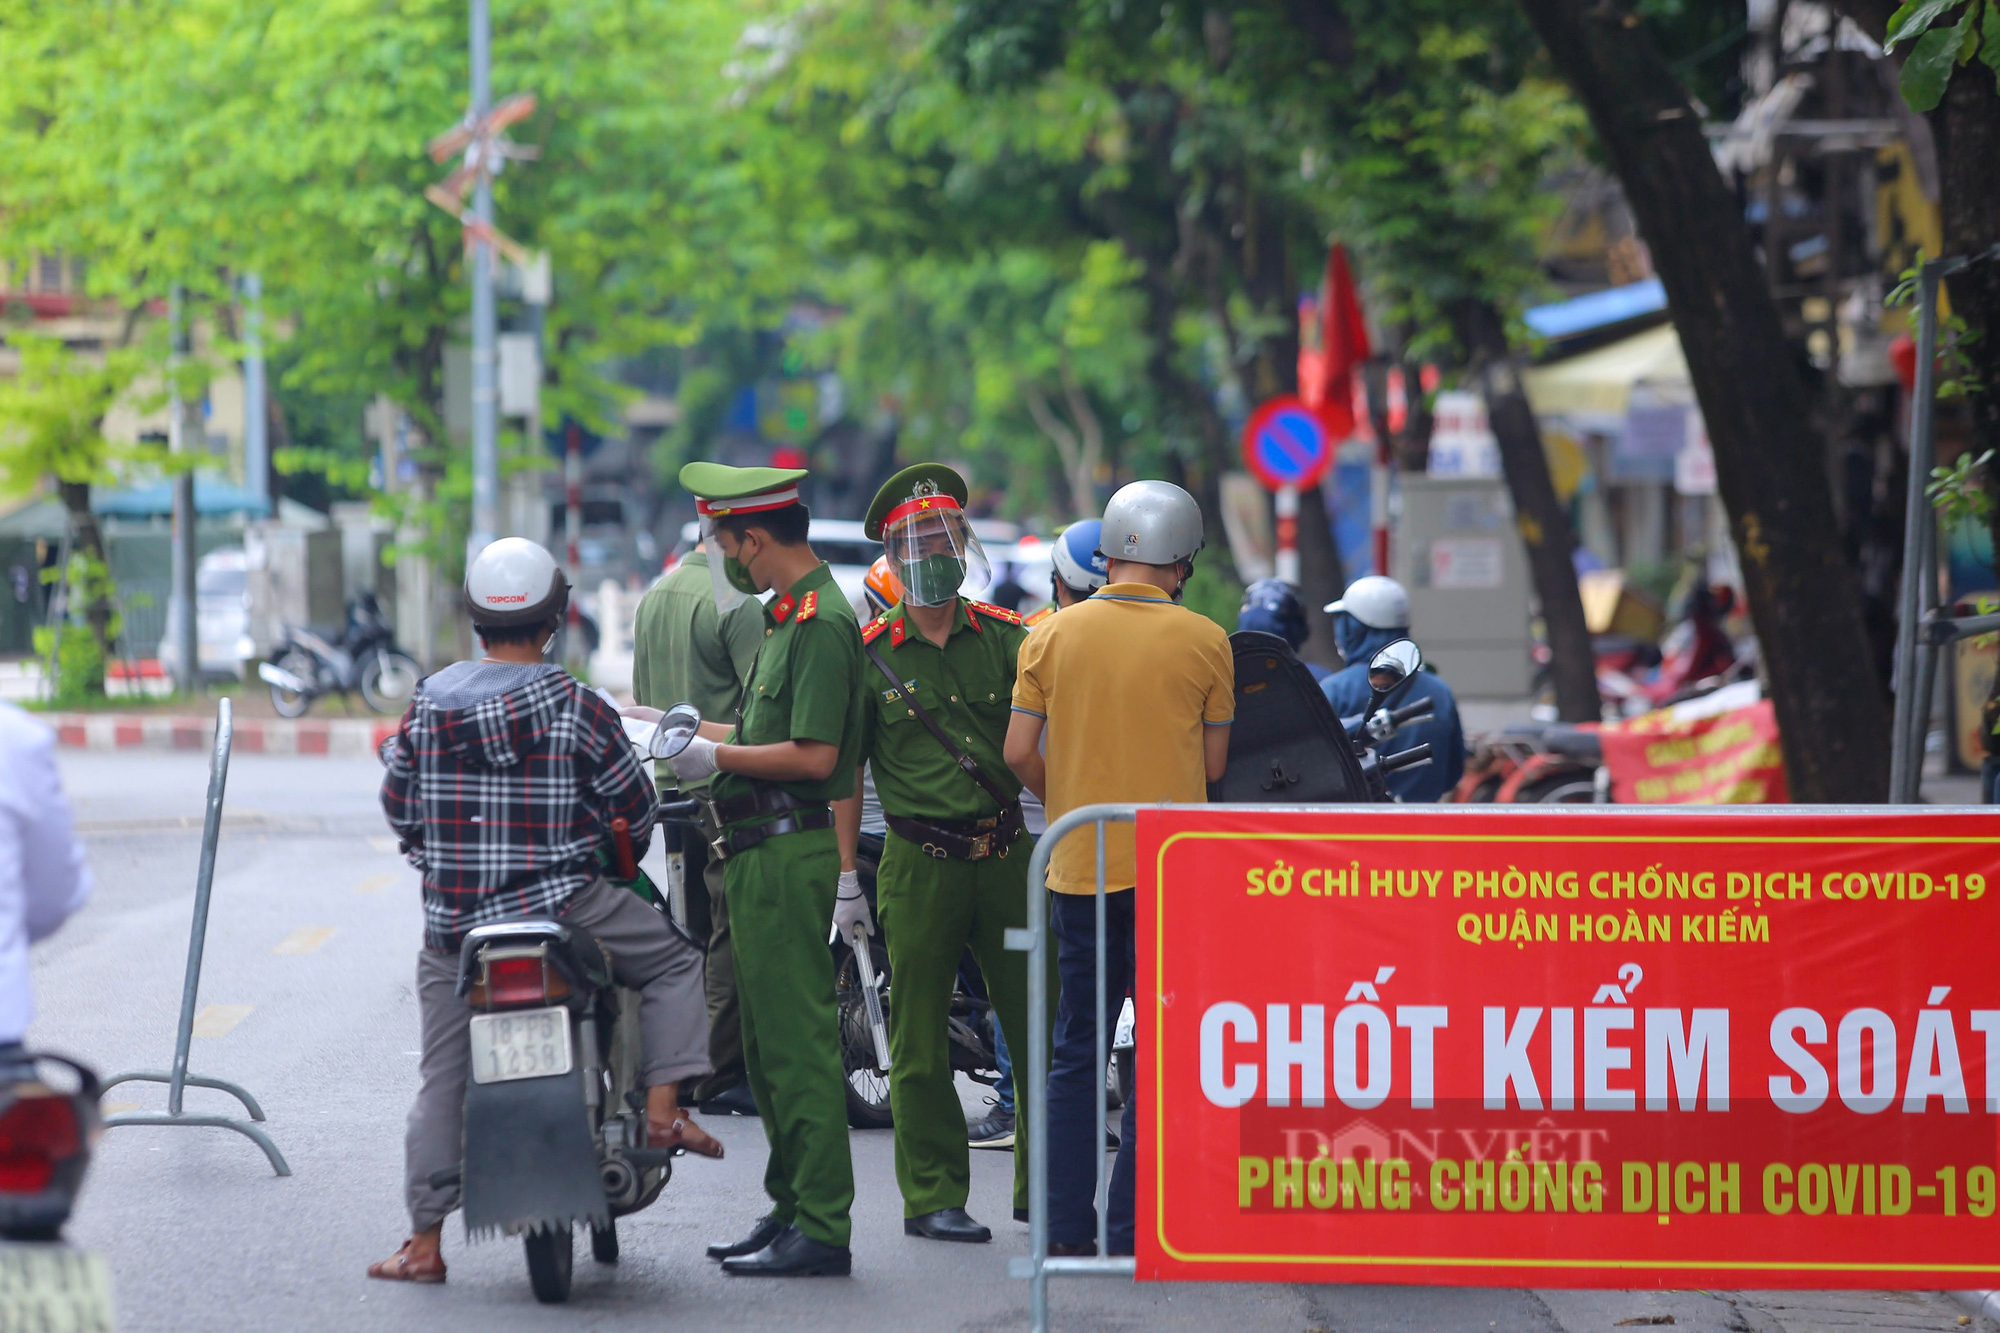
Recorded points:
(780, 895)
(931, 910)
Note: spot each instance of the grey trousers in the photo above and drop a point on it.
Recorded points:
(648, 954)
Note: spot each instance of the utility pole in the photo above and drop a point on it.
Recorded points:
(187, 640)
(256, 412)
(485, 386)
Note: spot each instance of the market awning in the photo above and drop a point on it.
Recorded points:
(212, 496)
(1598, 310)
(1602, 383)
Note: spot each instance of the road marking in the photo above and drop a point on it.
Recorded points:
(117, 1108)
(215, 1020)
(306, 939)
(379, 843)
(375, 883)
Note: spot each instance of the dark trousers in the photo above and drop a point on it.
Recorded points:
(1076, 1137)
(708, 922)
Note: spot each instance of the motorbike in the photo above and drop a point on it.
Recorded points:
(304, 665)
(555, 1113)
(49, 1122)
(1287, 747)
(46, 1134)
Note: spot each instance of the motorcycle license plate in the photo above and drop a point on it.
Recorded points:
(529, 1043)
(53, 1288)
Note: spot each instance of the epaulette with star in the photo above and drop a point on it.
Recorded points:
(873, 629)
(992, 612)
(808, 608)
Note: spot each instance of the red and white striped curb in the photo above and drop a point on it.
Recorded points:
(157, 731)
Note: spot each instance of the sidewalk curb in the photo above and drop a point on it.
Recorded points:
(1978, 1303)
(334, 737)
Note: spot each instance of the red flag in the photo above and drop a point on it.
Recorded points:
(1326, 371)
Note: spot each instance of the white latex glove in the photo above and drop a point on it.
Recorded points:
(1379, 726)
(696, 762)
(850, 906)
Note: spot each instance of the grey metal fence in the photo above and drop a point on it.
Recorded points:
(1032, 940)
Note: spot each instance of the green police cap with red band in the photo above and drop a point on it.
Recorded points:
(932, 485)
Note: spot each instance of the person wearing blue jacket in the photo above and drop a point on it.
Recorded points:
(1373, 613)
(1272, 607)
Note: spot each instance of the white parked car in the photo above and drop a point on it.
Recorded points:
(222, 618)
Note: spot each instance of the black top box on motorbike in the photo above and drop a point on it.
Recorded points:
(1286, 746)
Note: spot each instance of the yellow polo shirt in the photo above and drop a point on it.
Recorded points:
(1128, 680)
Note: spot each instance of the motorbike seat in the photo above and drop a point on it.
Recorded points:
(1573, 743)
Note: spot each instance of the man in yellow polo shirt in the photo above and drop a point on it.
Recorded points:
(1135, 693)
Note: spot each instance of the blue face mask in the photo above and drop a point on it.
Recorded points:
(1348, 635)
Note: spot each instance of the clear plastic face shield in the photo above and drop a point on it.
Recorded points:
(727, 596)
(932, 548)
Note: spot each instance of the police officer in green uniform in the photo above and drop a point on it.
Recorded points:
(685, 651)
(955, 867)
(793, 750)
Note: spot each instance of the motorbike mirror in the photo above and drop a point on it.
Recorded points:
(1396, 663)
(676, 729)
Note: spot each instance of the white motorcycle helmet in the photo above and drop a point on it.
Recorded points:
(1151, 523)
(514, 582)
(1375, 601)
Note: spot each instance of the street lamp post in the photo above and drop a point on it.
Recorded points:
(480, 137)
(485, 390)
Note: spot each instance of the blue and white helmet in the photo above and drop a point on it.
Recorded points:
(1078, 562)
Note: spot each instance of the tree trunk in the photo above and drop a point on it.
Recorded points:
(1803, 597)
(88, 542)
(1541, 517)
(1263, 259)
(1967, 128)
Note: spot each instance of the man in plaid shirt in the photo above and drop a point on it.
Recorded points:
(503, 781)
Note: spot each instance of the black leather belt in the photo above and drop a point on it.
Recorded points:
(734, 842)
(962, 839)
(764, 799)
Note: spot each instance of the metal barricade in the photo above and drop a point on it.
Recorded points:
(178, 1079)
(1032, 940)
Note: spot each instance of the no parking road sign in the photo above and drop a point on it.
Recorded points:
(1285, 444)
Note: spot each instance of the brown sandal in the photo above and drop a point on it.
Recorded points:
(681, 1133)
(398, 1268)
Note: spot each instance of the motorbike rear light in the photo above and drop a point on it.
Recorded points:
(35, 1134)
(520, 980)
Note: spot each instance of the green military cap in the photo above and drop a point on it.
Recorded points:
(915, 482)
(720, 489)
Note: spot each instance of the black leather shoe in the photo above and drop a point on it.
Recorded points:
(947, 1224)
(1085, 1250)
(760, 1235)
(1021, 1215)
(793, 1254)
(734, 1100)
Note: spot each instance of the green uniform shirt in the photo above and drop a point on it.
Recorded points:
(805, 686)
(967, 687)
(685, 651)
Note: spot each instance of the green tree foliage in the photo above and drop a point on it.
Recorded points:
(52, 429)
(1938, 36)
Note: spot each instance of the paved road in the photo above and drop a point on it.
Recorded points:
(308, 998)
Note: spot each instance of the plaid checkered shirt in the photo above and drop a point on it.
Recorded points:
(504, 805)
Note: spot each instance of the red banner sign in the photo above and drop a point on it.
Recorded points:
(1727, 758)
(1538, 1047)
